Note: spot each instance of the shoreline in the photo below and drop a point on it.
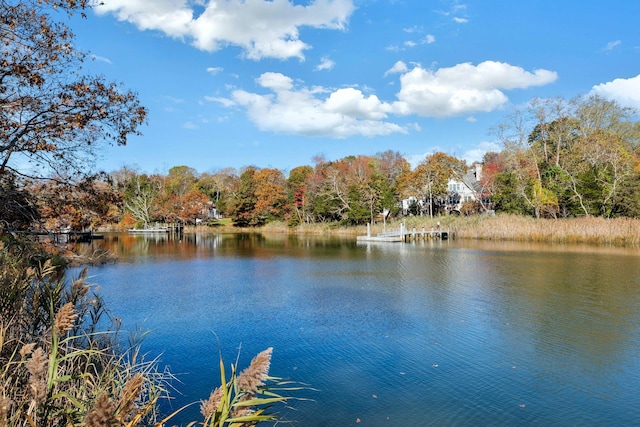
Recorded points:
(500, 227)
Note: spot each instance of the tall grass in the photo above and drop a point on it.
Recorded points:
(62, 362)
(592, 230)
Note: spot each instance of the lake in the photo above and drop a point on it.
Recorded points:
(397, 334)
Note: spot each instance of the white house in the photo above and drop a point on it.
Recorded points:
(465, 190)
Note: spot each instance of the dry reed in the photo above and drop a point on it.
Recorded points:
(593, 230)
(64, 319)
(37, 366)
(256, 374)
(101, 415)
(209, 407)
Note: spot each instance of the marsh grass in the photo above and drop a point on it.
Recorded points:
(590, 230)
(62, 362)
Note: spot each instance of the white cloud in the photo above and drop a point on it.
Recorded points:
(624, 91)
(189, 125)
(398, 67)
(612, 45)
(414, 29)
(309, 111)
(459, 20)
(464, 88)
(261, 28)
(429, 38)
(276, 81)
(325, 64)
(352, 102)
(214, 70)
(224, 101)
(289, 107)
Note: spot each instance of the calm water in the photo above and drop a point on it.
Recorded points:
(427, 333)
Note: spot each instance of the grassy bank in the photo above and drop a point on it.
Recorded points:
(617, 231)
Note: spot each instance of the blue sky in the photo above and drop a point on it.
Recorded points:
(232, 83)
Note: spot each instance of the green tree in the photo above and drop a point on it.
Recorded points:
(242, 206)
(506, 197)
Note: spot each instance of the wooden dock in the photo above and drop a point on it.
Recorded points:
(404, 235)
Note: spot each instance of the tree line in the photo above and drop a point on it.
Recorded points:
(560, 158)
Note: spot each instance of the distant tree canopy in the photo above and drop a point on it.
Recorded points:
(568, 158)
(51, 113)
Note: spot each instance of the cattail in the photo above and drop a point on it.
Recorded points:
(210, 406)
(64, 319)
(256, 374)
(101, 415)
(37, 367)
(27, 349)
(129, 395)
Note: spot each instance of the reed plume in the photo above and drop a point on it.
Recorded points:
(27, 349)
(78, 286)
(101, 415)
(209, 407)
(64, 319)
(256, 374)
(129, 396)
(37, 367)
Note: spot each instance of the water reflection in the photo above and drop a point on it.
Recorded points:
(464, 333)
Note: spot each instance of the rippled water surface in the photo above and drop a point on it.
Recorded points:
(418, 334)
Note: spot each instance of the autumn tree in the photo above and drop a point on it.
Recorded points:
(428, 181)
(366, 188)
(571, 157)
(141, 198)
(327, 191)
(298, 184)
(221, 187)
(88, 203)
(271, 195)
(180, 180)
(51, 112)
(390, 167)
